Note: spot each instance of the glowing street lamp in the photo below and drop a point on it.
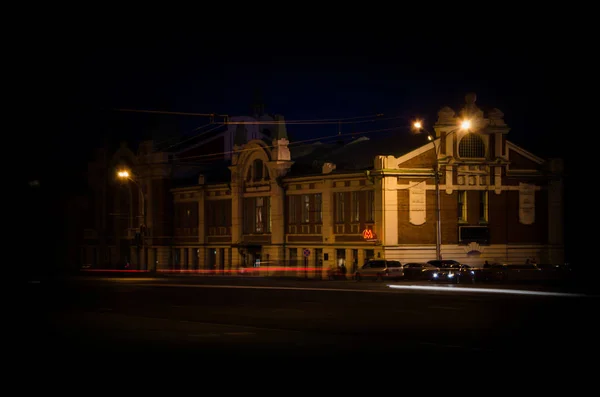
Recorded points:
(124, 174)
(418, 125)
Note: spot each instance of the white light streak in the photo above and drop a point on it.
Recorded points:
(452, 288)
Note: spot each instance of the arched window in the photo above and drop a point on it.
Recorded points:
(258, 170)
(471, 146)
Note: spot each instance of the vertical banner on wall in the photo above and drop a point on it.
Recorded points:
(416, 198)
(526, 203)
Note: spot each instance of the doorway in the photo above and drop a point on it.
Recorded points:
(318, 262)
(212, 259)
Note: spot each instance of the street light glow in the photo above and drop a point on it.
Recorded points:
(465, 125)
(123, 174)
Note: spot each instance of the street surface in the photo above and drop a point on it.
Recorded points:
(251, 318)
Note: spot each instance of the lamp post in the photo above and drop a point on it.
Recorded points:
(465, 125)
(123, 174)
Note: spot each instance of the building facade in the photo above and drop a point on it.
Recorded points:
(309, 206)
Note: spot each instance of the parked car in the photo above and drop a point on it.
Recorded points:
(380, 269)
(443, 262)
(559, 272)
(418, 270)
(452, 271)
(493, 272)
(521, 272)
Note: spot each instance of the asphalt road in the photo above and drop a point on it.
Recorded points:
(246, 319)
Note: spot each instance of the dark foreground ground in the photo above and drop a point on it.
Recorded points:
(216, 320)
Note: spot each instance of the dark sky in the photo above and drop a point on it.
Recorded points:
(338, 77)
(78, 80)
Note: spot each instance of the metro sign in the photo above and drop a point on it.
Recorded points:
(369, 235)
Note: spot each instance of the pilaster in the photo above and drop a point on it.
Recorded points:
(389, 210)
(201, 217)
(328, 213)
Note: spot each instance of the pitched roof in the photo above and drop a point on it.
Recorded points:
(356, 154)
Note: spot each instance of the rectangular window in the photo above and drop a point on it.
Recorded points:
(305, 208)
(256, 215)
(292, 209)
(370, 206)
(339, 204)
(260, 215)
(462, 206)
(293, 261)
(355, 207)
(483, 206)
(213, 213)
(223, 213)
(209, 210)
(318, 209)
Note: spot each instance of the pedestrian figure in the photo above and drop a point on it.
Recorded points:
(343, 270)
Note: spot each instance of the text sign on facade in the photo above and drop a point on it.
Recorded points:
(416, 209)
(526, 203)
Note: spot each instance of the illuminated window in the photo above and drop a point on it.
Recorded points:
(257, 216)
(483, 206)
(471, 146)
(462, 205)
(305, 208)
(260, 215)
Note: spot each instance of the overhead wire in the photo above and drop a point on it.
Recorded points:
(336, 136)
(168, 139)
(324, 121)
(171, 112)
(296, 143)
(338, 121)
(194, 137)
(306, 121)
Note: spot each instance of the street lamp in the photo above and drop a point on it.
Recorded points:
(464, 125)
(124, 174)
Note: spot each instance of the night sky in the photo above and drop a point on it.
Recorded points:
(80, 79)
(336, 76)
